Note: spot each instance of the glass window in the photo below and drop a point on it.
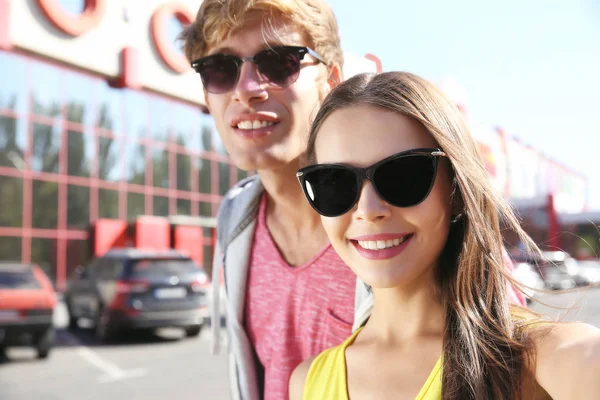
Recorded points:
(18, 278)
(79, 90)
(108, 203)
(110, 108)
(12, 93)
(80, 153)
(160, 167)
(184, 207)
(10, 248)
(184, 172)
(135, 162)
(224, 178)
(43, 253)
(187, 128)
(205, 209)
(46, 147)
(160, 115)
(74, 7)
(161, 206)
(241, 174)
(77, 254)
(135, 205)
(173, 30)
(136, 114)
(46, 90)
(11, 208)
(204, 175)
(44, 206)
(78, 206)
(109, 158)
(13, 142)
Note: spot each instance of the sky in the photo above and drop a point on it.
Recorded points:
(531, 67)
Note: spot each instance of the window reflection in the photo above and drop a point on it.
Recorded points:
(109, 161)
(224, 181)
(205, 209)
(184, 207)
(204, 176)
(187, 128)
(74, 7)
(13, 142)
(135, 163)
(79, 90)
(160, 168)
(135, 205)
(10, 248)
(78, 206)
(184, 172)
(108, 203)
(44, 206)
(11, 205)
(136, 112)
(46, 89)
(109, 103)
(12, 93)
(161, 206)
(241, 174)
(160, 112)
(80, 153)
(46, 147)
(43, 253)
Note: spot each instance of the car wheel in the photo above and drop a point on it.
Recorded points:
(44, 343)
(193, 331)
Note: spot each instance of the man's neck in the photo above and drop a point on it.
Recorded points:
(285, 197)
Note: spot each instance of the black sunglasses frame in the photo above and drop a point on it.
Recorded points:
(367, 173)
(301, 51)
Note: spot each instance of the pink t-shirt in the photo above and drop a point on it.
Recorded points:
(293, 313)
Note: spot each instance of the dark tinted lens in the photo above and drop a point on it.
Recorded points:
(406, 181)
(219, 73)
(280, 66)
(332, 191)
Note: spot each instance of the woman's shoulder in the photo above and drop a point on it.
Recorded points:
(567, 359)
(322, 368)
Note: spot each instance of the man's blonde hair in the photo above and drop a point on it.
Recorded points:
(218, 19)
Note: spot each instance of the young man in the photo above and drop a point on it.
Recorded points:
(266, 65)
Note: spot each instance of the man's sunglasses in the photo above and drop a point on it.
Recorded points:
(278, 65)
(402, 180)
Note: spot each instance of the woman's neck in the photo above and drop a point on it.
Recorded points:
(402, 315)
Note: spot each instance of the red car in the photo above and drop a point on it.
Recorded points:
(27, 301)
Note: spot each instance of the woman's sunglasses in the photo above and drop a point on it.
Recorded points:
(278, 65)
(402, 180)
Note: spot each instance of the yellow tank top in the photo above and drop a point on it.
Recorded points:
(326, 379)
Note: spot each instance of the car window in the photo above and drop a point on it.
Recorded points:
(109, 269)
(152, 267)
(23, 279)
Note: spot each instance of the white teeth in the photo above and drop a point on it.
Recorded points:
(381, 244)
(254, 124)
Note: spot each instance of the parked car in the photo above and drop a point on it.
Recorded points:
(130, 288)
(27, 301)
(528, 275)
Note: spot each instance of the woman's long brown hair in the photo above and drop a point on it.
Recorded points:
(485, 349)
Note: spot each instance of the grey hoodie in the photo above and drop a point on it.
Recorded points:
(236, 222)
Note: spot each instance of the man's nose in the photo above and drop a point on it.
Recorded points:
(250, 86)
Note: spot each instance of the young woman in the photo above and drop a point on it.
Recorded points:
(406, 202)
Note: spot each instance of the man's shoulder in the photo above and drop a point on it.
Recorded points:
(239, 202)
(245, 191)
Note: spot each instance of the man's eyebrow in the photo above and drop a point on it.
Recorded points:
(222, 50)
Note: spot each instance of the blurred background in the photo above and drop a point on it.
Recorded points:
(105, 142)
